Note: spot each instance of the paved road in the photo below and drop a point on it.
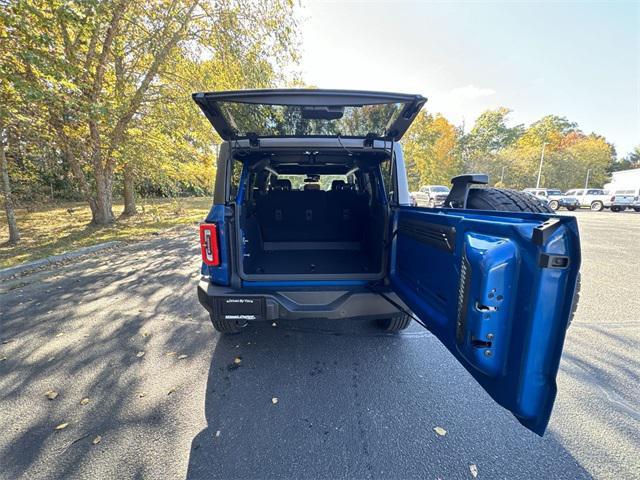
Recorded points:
(352, 402)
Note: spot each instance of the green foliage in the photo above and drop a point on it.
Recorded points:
(89, 88)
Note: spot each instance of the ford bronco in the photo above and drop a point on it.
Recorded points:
(311, 219)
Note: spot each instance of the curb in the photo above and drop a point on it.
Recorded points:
(36, 264)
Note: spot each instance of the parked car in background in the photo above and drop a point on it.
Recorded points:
(430, 196)
(554, 198)
(596, 199)
(622, 199)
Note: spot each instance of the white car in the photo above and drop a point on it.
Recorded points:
(598, 199)
(430, 196)
(554, 198)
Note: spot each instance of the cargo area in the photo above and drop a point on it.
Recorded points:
(328, 225)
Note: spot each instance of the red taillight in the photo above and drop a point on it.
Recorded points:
(209, 244)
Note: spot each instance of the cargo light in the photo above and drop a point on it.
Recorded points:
(209, 244)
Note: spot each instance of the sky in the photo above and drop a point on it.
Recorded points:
(580, 60)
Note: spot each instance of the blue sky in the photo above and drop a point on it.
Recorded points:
(575, 59)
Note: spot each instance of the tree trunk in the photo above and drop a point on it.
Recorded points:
(129, 191)
(102, 211)
(14, 233)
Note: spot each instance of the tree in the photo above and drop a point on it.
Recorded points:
(431, 150)
(14, 233)
(94, 69)
(489, 136)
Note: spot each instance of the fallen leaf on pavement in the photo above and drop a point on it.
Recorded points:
(51, 394)
(4, 342)
(61, 334)
(474, 470)
(182, 357)
(142, 394)
(171, 354)
(237, 360)
(62, 426)
(2, 359)
(171, 390)
(145, 334)
(84, 401)
(140, 354)
(274, 400)
(440, 431)
(97, 440)
(218, 433)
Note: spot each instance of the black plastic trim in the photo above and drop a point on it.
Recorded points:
(434, 234)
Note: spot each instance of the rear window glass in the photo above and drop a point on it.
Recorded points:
(266, 120)
(325, 182)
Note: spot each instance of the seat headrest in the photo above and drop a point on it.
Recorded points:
(337, 185)
(312, 186)
(283, 184)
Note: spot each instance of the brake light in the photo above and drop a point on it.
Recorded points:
(209, 244)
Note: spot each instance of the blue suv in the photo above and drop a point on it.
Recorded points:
(312, 219)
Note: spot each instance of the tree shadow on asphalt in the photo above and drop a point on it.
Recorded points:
(354, 402)
(59, 328)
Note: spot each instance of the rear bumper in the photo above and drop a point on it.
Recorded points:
(309, 302)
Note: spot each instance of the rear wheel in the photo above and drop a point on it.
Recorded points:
(396, 323)
(554, 205)
(637, 209)
(571, 209)
(615, 209)
(225, 326)
(597, 206)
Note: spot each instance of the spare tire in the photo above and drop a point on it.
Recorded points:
(505, 200)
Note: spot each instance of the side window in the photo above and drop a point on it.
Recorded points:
(593, 192)
(388, 179)
(234, 179)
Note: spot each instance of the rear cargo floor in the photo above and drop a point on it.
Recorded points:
(310, 261)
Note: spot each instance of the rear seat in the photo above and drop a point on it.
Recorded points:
(312, 215)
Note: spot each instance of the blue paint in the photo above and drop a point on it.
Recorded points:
(518, 308)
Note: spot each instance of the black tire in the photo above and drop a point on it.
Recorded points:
(396, 323)
(554, 205)
(616, 209)
(597, 206)
(225, 326)
(571, 209)
(637, 209)
(505, 200)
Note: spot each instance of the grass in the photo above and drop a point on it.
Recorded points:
(53, 229)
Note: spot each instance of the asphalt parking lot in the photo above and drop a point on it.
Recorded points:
(168, 399)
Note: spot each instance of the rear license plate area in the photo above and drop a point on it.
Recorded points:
(240, 308)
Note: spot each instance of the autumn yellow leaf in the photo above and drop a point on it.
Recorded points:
(97, 440)
(62, 426)
(440, 431)
(51, 394)
(84, 401)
